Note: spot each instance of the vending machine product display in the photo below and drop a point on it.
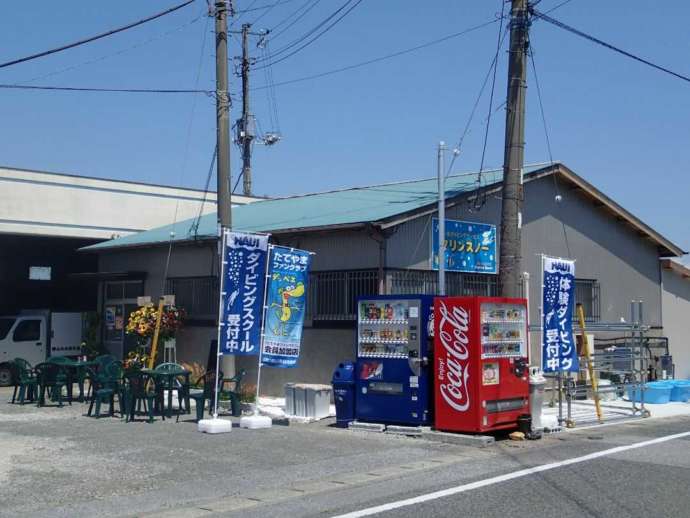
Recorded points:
(394, 378)
(480, 363)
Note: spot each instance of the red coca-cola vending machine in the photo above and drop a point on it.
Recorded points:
(480, 363)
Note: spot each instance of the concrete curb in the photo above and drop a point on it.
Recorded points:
(477, 441)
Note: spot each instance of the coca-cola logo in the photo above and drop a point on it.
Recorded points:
(452, 333)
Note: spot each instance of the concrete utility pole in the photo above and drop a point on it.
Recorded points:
(513, 161)
(222, 115)
(441, 220)
(246, 131)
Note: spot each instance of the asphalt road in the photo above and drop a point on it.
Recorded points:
(55, 462)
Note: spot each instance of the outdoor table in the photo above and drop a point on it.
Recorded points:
(75, 370)
(169, 380)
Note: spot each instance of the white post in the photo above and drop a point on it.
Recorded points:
(441, 221)
(224, 236)
(263, 324)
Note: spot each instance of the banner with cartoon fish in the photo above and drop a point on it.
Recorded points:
(470, 247)
(242, 295)
(286, 299)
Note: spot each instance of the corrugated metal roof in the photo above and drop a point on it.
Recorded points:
(326, 209)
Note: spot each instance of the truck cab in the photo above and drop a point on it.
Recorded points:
(36, 335)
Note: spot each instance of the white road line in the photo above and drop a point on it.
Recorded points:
(508, 476)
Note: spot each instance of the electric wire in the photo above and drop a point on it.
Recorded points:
(270, 6)
(348, 7)
(305, 5)
(380, 58)
(113, 54)
(561, 25)
(548, 145)
(466, 130)
(108, 90)
(94, 38)
(477, 205)
(267, 10)
(194, 228)
(185, 154)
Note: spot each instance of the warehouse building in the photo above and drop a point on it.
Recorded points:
(46, 217)
(377, 239)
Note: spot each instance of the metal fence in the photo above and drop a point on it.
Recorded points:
(333, 295)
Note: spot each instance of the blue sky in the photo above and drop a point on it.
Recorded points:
(621, 125)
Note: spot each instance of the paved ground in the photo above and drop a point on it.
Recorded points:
(55, 462)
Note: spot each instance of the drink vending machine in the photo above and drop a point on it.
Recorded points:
(394, 368)
(480, 363)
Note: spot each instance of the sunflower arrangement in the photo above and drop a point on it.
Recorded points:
(142, 322)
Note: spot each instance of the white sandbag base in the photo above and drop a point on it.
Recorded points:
(255, 422)
(214, 426)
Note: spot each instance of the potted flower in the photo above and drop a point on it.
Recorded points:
(142, 324)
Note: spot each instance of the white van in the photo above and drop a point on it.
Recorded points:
(27, 336)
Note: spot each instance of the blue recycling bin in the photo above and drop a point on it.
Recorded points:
(344, 393)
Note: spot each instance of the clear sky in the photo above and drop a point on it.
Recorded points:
(621, 125)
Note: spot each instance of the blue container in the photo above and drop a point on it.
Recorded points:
(680, 390)
(656, 392)
(344, 394)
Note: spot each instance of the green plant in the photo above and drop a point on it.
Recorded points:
(91, 335)
(248, 393)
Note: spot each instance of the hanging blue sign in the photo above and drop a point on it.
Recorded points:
(559, 352)
(470, 247)
(242, 295)
(286, 297)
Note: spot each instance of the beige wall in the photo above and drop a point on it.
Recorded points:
(676, 310)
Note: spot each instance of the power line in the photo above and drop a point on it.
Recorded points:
(96, 37)
(380, 58)
(479, 204)
(348, 4)
(108, 90)
(270, 6)
(117, 53)
(548, 144)
(306, 5)
(577, 32)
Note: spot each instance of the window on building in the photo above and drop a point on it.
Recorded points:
(587, 294)
(198, 296)
(124, 290)
(333, 295)
(27, 331)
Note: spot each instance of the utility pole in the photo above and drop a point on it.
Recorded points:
(246, 131)
(222, 115)
(441, 220)
(513, 161)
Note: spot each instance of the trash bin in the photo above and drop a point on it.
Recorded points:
(344, 394)
(318, 401)
(537, 382)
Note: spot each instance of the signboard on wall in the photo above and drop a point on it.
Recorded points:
(470, 247)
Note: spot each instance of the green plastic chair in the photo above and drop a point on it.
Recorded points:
(104, 388)
(179, 383)
(234, 394)
(135, 392)
(51, 379)
(206, 393)
(26, 383)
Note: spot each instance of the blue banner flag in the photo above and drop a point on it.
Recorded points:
(559, 351)
(286, 298)
(470, 247)
(242, 292)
